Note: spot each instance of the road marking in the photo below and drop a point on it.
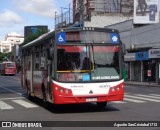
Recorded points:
(118, 102)
(141, 95)
(126, 93)
(24, 103)
(134, 100)
(12, 79)
(11, 90)
(155, 95)
(4, 105)
(142, 98)
(11, 98)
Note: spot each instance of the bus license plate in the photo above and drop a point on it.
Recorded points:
(91, 99)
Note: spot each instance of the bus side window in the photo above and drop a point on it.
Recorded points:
(36, 65)
(86, 63)
(43, 57)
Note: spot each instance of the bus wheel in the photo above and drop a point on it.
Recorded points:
(45, 102)
(29, 95)
(28, 92)
(101, 104)
(43, 94)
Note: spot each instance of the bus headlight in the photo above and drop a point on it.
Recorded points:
(61, 90)
(67, 90)
(118, 88)
(113, 89)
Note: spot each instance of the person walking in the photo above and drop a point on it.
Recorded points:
(142, 4)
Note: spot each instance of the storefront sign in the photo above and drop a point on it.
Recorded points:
(149, 73)
(142, 55)
(154, 53)
(129, 57)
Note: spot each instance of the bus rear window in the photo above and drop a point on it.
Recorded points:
(10, 65)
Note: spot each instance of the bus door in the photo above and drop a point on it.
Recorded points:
(49, 74)
(23, 73)
(31, 74)
(29, 71)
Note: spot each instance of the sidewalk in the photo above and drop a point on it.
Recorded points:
(141, 84)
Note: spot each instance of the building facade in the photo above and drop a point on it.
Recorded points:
(95, 13)
(12, 39)
(143, 50)
(5, 46)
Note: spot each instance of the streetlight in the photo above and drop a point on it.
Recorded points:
(55, 19)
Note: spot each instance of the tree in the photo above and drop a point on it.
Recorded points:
(6, 56)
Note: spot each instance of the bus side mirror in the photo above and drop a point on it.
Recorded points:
(50, 53)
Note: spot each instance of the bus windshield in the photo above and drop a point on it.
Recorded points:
(86, 63)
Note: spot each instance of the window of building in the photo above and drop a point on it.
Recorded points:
(107, 6)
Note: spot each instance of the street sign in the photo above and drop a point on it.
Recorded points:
(149, 73)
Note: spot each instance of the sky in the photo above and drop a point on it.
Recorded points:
(15, 14)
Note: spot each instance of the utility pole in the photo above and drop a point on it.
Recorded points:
(55, 20)
(69, 12)
(61, 14)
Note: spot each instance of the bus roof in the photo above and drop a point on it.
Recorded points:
(52, 33)
(8, 62)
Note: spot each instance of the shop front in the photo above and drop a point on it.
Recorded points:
(154, 54)
(140, 65)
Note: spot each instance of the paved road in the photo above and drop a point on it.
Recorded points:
(140, 104)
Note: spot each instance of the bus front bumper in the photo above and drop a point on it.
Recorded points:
(60, 99)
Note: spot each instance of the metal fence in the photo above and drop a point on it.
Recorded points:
(63, 20)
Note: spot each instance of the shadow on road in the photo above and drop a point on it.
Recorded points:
(74, 108)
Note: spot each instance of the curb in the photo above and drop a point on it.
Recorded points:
(141, 84)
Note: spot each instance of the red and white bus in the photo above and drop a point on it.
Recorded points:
(8, 68)
(74, 65)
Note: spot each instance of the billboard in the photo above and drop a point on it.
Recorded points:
(146, 11)
(33, 29)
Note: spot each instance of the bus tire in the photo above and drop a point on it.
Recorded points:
(43, 93)
(44, 98)
(28, 92)
(101, 104)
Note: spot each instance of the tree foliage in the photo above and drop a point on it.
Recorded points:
(6, 56)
